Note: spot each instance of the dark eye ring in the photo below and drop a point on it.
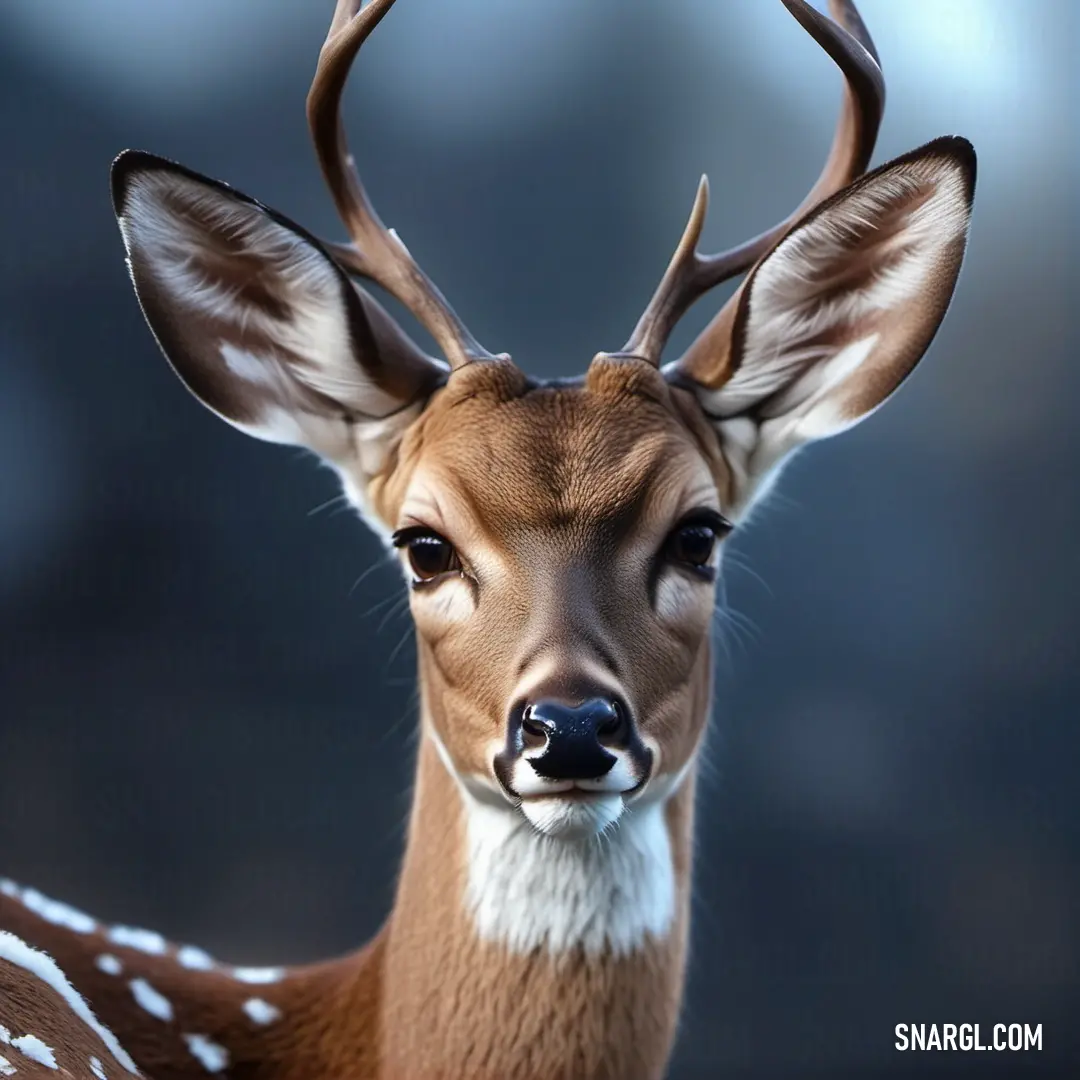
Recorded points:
(693, 541)
(430, 555)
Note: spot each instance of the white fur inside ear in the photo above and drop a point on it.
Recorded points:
(255, 298)
(802, 335)
(259, 370)
(805, 404)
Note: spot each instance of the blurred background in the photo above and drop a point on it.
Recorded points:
(206, 711)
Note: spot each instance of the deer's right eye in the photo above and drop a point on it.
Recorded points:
(430, 555)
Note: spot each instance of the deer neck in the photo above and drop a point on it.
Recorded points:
(513, 955)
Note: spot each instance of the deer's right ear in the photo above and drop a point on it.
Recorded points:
(260, 323)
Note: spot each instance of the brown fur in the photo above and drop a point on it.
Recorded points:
(569, 476)
(427, 998)
(558, 499)
(558, 502)
(23, 996)
(424, 1001)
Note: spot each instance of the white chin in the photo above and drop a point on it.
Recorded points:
(572, 819)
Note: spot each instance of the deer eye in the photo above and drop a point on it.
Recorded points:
(430, 555)
(693, 541)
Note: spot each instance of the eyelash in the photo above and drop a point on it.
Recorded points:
(415, 538)
(708, 521)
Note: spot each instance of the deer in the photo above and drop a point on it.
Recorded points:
(561, 543)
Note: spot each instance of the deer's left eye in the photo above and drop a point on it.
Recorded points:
(692, 543)
(430, 555)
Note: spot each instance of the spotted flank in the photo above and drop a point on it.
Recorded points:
(6, 1067)
(261, 1012)
(258, 976)
(36, 1050)
(146, 990)
(147, 941)
(17, 953)
(52, 911)
(213, 1057)
(150, 1000)
(194, 959)
(108, 964)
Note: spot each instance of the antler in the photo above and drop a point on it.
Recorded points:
(689, 274)
(376, 252)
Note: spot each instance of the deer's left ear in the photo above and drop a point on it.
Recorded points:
(830, 323)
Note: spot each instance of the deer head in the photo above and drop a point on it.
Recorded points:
(561, 541)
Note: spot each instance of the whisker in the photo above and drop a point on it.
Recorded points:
(397, 609)
(329, 502)
(739, 562)
(380, 604)
(408, 635)
(376, 565)
(404, 715)
(729, 617)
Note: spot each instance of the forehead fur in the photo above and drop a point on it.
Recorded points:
(522, 456)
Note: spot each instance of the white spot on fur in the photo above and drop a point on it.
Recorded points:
(58, 913)
(210, 1055)
(52, 911)
(16, 951)
(261, 1012)
(147, 941)
(108, 964)
(6, 1068)
(97, 1069)
(155, 1003)
(257, 975)
(33, 1048)
(194, 959)
(5, 1035)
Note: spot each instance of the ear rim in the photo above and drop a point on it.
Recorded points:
(361, 309)
(129, 162)
(953, 148)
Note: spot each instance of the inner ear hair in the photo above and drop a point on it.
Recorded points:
(256, 317)
(832, 320)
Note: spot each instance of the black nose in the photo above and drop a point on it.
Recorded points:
(575, 738)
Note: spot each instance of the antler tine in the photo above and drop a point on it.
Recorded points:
(375, 252)
(690, 274)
